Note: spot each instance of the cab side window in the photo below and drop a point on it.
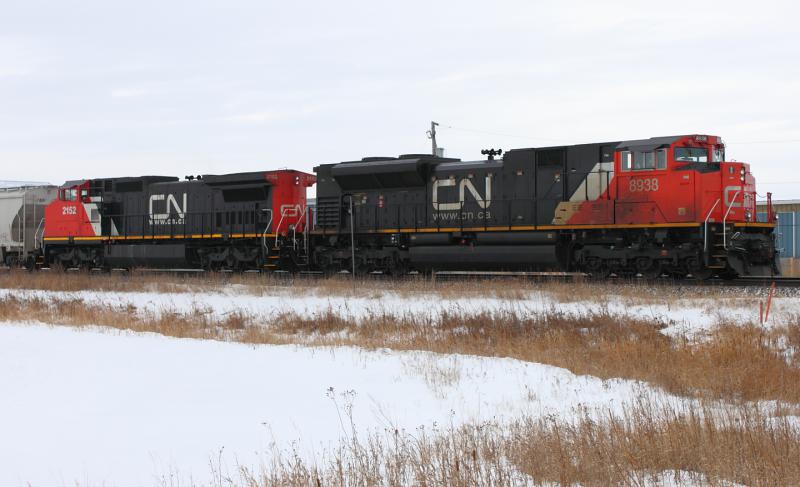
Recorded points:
(643, 160)
(626, 160)
(661, 159)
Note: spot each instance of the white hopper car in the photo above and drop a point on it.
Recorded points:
(22, 222)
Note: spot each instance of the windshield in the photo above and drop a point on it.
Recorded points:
(691, 154)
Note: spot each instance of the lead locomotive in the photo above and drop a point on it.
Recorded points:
(639, 207)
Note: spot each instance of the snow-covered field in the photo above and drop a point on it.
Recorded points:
(109, 408)
(104, 407)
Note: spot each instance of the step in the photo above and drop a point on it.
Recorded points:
(716, 266)
(719, 256)
(273, 257)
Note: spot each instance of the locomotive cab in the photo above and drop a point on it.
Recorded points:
(75, 212)
(682, 179)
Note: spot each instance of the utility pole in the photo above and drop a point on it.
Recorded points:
(432, 135)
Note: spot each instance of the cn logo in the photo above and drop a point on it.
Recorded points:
(172, 205)
(730, 199)
(290, 211)
(464, 187)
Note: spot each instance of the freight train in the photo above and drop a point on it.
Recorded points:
(665, 205)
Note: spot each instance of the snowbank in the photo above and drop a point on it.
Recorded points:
(110, 408)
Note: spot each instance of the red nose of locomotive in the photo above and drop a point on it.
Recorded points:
(738, 188)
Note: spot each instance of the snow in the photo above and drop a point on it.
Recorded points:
(680, 478)
(103, 407)
(679, 316)
(96, 406)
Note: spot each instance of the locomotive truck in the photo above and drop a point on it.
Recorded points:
(665, 205)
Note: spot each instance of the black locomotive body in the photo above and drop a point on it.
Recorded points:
(233, 221)
(424, 212)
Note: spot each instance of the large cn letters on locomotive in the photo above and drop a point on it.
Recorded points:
(464, 186)
(172, 204)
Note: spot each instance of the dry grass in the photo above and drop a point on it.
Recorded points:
(731, 362)
(741, 444)
(644, 445)
(269, 284)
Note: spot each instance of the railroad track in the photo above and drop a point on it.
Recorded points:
(453, 276)
(750, 281)
(763, 281)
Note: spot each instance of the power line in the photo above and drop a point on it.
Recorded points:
(500, 134)
(787, 141)
(533, 137)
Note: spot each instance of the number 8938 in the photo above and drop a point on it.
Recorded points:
(643, 184)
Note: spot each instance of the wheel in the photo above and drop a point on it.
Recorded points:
(698, 270)
(651, 273)
(702, 274)
(597, 268)
(647, 268)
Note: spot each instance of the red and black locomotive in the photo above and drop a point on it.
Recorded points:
(665, 205)
(639, 207)
(232, 221)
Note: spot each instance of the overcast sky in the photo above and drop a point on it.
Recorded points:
(106, 88)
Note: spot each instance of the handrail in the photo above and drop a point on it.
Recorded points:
(266, 229)
(770, 210)
(277, 229)
(725, 219)
(36, 239)
(705, 225)
(307, 228)
(294, 230)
